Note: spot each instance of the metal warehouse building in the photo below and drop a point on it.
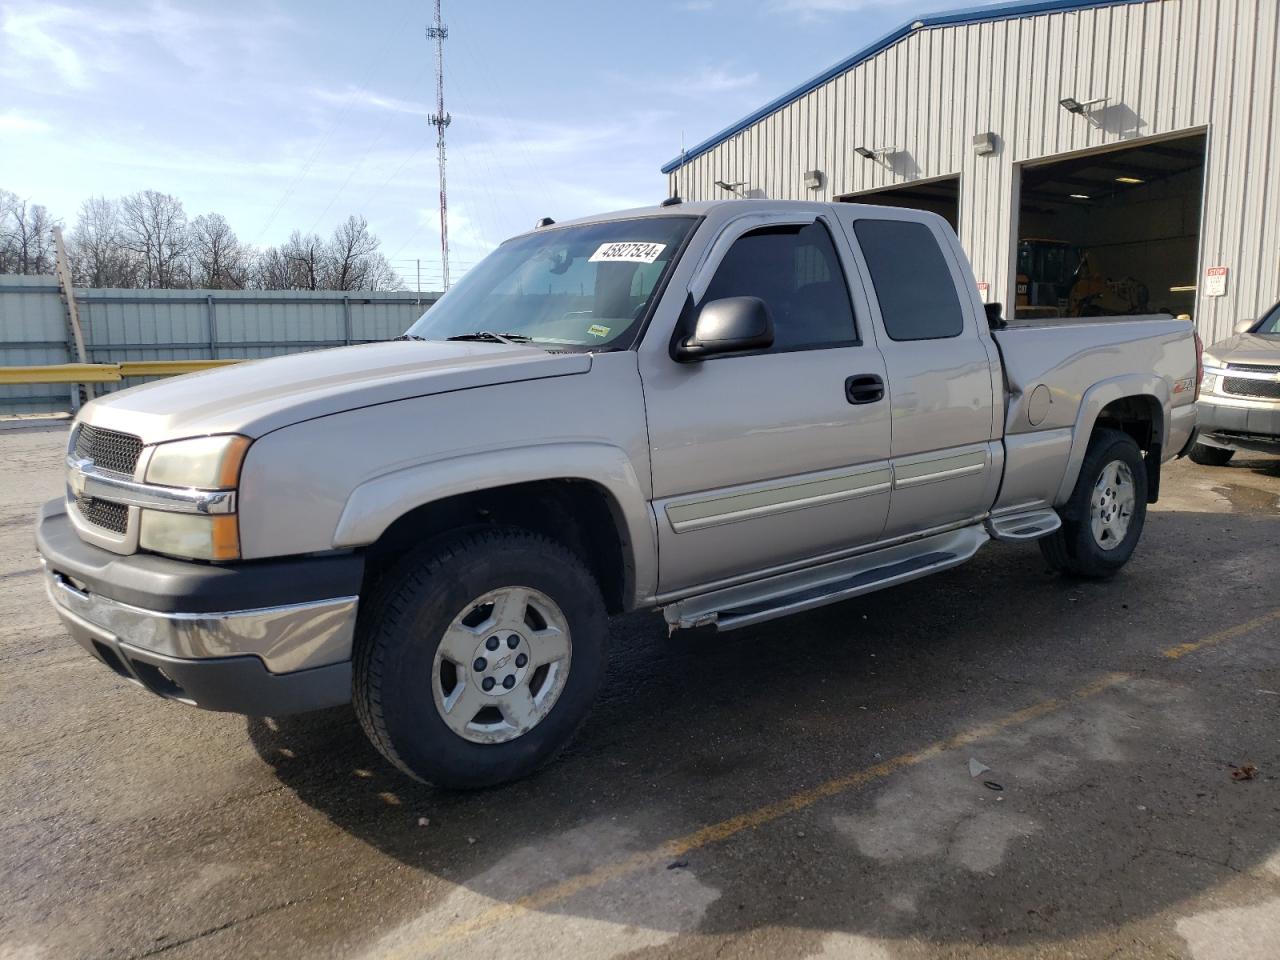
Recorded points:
(1095, 157)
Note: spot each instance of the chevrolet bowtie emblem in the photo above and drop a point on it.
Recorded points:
(76, 479)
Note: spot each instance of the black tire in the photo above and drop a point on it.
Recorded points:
(1073, 549)
(401, 627)
(1208, 456)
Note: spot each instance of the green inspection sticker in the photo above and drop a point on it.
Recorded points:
(598, 331)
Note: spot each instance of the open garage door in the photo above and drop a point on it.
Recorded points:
(1111, 233)
(937, 196)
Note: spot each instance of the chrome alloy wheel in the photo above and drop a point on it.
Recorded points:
(1112, 503)
(501, 665)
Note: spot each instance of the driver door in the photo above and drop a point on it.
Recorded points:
(764, 459)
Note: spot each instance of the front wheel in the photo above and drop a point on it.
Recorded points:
(1103, 519)
(1208, 456)
(478, 657)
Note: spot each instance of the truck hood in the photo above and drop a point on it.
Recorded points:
(1247, 348)
(258, 396)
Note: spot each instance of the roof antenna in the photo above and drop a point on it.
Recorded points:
(674, 199)
(682, 153)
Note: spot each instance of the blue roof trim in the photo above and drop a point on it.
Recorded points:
(1002, 11)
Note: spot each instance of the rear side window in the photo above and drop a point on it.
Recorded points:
(912, 280)
(795, 270)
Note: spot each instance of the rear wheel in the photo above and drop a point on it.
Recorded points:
(1103, 520)
(478, 657)
(1211, 456)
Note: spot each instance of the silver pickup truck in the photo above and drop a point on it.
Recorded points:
(727, 411)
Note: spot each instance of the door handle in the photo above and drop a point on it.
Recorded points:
(864, 388)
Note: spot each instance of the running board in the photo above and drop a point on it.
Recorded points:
(789, 593)
(1027, 525)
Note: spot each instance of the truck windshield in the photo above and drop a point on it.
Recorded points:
(1270, 325)
(571, 288)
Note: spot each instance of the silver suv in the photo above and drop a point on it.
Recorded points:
(1239, 406)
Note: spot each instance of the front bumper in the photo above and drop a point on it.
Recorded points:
(1240, 425)
(265, 638)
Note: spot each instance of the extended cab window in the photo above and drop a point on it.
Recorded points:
(912, 281)
(795, 271)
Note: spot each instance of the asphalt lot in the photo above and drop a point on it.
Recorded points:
(798, 789)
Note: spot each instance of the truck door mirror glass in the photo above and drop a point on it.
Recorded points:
(727, 325)
(1244, 326)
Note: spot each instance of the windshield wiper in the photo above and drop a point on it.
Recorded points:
(490, 337)
(408, 336)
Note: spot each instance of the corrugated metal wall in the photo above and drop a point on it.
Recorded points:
(1166, 67)
(182, 325)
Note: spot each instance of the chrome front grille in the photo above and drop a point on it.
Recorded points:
(1255, 367)
(108, 449)
(1259, 389)
(104, 513)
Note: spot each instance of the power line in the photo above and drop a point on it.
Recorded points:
(315, 154)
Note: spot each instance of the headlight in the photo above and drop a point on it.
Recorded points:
(208, 463)
(212, 463)
(1209, 380)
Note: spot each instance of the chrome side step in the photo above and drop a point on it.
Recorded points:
(789, 593)
(1024, 526)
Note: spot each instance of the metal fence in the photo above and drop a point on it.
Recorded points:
(181, 325)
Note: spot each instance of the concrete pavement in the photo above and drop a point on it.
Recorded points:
(798, 789)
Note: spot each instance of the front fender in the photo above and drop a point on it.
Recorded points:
(1092, 404)
(377, 503)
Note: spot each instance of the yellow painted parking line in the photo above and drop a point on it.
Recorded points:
(1182, 649)
(725, 829)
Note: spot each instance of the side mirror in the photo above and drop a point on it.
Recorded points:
(1244, 326)
(728, 325)
(995, 316)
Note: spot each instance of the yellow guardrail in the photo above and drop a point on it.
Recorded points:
(168, 368)
(106, 372)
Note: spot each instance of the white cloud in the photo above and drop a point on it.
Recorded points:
(705, 82)
(369, 100)
(13, 122)
(43, 42)
(720, 80)
(34, 40)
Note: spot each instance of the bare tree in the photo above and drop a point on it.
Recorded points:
(300, 263)
(353, 260)
(26, 236)
(219, 259)
(154, 229)
(96, 247)
(146, 240)
(306, 258)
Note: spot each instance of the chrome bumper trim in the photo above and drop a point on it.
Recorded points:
(86, 480)
(286, 638)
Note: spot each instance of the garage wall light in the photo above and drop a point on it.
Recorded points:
(870, 154)
(813, 179)
(1081, 108)
(984, 144)
(732, 187)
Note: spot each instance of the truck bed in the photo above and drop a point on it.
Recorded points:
(1070, 356)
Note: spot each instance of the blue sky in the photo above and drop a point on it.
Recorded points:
(284, 115)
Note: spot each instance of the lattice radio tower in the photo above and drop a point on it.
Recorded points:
(439, 33)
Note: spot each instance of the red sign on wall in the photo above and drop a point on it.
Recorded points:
(1215, 282)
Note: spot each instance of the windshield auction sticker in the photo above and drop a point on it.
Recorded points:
(628, 251)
